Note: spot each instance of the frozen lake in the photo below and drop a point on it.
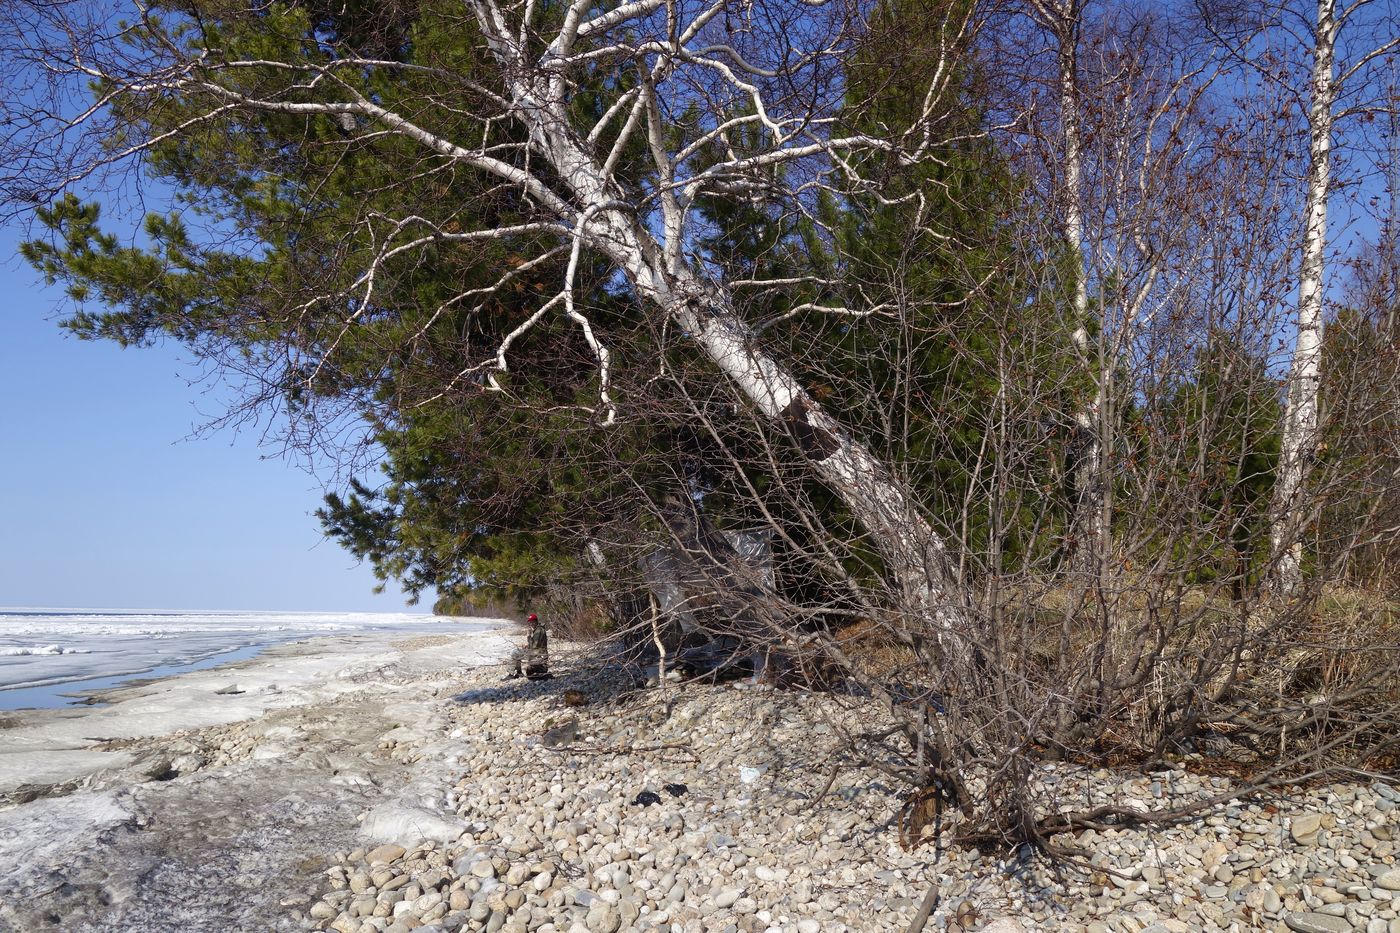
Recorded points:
(47, 652)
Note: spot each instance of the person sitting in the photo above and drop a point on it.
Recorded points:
(532, 661)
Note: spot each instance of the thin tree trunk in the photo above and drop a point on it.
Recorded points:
(1088, 526)
(1299, 441)
(658, 641)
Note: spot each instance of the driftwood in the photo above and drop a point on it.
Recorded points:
(926, 909)
(625, 749)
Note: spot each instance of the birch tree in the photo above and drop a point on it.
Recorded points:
(1117, 140)
(683, 79)
(550, 166)
(1062, 21)
(1341, 46)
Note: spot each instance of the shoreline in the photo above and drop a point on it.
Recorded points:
(201, 695)
(53, 648)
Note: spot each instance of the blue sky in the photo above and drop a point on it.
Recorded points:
(106, 504)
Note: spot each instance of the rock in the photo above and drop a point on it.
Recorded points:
(748, 774)
(1304, 827)
(603, 918)
(560, 848)
(385, 854)
(561, 735)
(1316, 923)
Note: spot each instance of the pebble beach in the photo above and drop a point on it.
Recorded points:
(555, 839)
(421, 793)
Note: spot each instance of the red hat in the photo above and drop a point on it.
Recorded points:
(532, 618)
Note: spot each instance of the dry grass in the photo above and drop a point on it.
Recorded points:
(874, 650)
(1321, 688)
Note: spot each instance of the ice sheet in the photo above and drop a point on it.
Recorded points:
(39, 647)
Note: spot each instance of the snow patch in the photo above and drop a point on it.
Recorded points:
(46, 833)
(409, 826)
(36, 650)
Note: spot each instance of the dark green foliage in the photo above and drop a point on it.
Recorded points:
(935, 322)
(1226, 421)
(492, 490)
(293, 210)
(1360, 450)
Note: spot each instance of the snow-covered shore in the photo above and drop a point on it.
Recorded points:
(207, 797)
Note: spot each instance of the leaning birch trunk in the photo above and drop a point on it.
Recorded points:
(915, 554)
(1299, 441)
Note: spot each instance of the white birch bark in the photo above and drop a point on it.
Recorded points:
(1087, 524)
(1299, 441)
(1062, 19)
